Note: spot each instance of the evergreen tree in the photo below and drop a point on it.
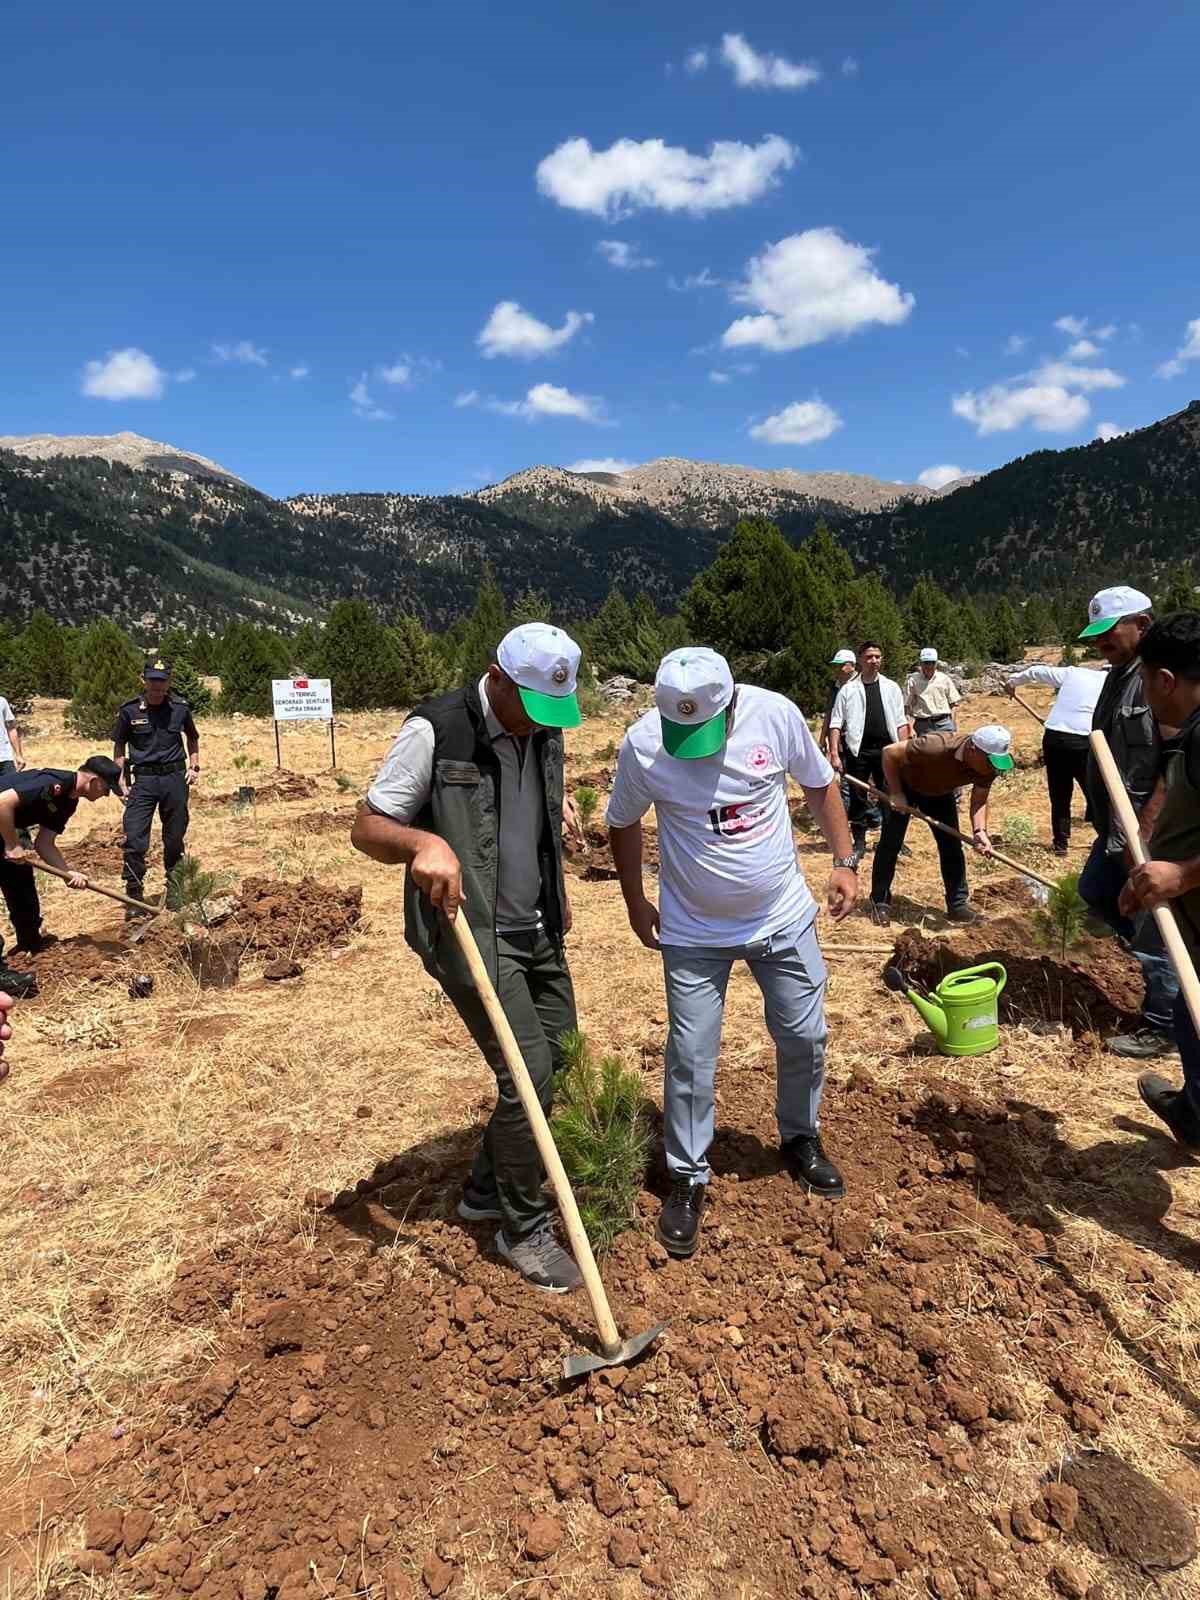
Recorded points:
(531, 605)
(17, 683)
(485, 628)
(420, 670)
(611, 638)
(361, 657)
(187, 683)
(1005, 635)
(1179, 592)
(304, 651)
(250, 658)
(872, 613)
(46, 648)
(1037, 621)
(109, 672)
(971, 631)
(930, 620)
(746, 603)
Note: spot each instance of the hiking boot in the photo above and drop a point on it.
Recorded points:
(807, 1162)
(879, 914)
(1174, 1108)
(477, 1206)
(21, 985)
(1145, 1044)
(679, 1220)
(39, 943)
(963, 915)
(1060, 847)
(541, 1260)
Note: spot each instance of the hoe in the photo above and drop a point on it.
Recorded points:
(614, 1351)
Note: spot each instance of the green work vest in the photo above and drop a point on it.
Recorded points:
(1177, 831)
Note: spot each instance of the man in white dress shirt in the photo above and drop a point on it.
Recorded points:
(1065, 740)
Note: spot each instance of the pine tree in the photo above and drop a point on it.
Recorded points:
(304, 651)
(872, 613)
(187, 683)
(250, 658)
(611, 644)
(420, 669)
(1005, 635)
(17, 681)
(485, 627)
(46, 647)
(746, 604)
(1060, 922)
(1179, 592)
(531, 605)
(361, 658)
(109, 672)
(1037, 621)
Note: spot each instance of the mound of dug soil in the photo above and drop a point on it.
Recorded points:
(99, 854)
(832, 1411)
(1098, 989)
(282, 785)
(86, 958)
(340, 820)
(295, 919)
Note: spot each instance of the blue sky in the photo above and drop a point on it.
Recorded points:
(394, 247)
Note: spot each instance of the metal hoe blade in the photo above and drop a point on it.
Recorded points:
(628, 1350)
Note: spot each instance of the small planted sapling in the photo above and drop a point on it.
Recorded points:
(602, 1131)
(1061, 920)
(586, 803)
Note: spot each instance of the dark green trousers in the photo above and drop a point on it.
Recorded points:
(536, 992)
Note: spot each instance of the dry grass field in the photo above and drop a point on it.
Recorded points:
(856, 1400)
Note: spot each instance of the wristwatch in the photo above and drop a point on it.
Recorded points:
(851, 862)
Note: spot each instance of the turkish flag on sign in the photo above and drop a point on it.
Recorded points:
(299, 683)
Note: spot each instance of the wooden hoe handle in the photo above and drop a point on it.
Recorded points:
(610, 1340)
(110, 894)
(1163, 915)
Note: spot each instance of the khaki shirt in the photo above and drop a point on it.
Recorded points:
(930, 697)
(933, 764)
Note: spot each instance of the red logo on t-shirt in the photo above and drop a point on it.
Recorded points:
(760, 757)
(728, 821)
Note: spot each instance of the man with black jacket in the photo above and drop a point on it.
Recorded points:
(470, 799)
(1118, 619)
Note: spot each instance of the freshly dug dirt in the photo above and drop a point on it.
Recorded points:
(595, 863)
(831, 1411)
(1122, 1513)
(1097, 990)
(282, 785)
(295, 919)
(86, 958)
(340, 820)
(99, 854)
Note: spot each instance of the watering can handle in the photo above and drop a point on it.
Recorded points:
(987, 966)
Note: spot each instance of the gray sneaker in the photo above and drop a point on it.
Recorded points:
(541, 1260)
(1146, 1044)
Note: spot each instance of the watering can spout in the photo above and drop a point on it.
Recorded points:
(931, 1012)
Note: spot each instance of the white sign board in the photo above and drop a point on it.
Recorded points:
(302, 699)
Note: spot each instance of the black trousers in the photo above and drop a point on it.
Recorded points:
(867, 767)
(1066, 758)
(167, 794)
(18, 885)
(535, 989)
(951, 859)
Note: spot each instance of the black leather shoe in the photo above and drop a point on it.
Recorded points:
(1173, 1106)
(679, 1220)
(807, 1162)
(21, 985)
(965, 916)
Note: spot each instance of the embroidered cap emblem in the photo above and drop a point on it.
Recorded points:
(686, 708)
(559, 674)
(1095, 608)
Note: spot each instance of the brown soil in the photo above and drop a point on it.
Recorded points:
(87, 958)
(1122, 1513)
(826, 1413)
(1097, 990)
(320, 822)
(294, 919)
(595, 863)
(281, 785)
(99, 853)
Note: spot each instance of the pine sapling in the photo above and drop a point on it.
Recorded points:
(602, 1132)
(189, 888)
(586, 801)
(1061, 920)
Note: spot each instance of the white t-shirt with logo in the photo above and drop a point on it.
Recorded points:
(728, 872)
(7, 720)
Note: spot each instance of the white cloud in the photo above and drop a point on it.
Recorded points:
(696, 61)
(128, 374)
(298, 372)
(468, 397)
(803, 422)
(243, 353)
(694, 280)
(601, 464)
(939, 477)
(1189, 350)
(720, 377)
(399, 374)
(364, 406)
(1110, 430)
(551, 400)
(849, 67)
(754, 71)
(810, 287)
(633, 175)
(185, 375)
(1106, 332)
(1062, 374)
(1047, 407)
(1083, 350)
(1074, 326)
(509, 331)
(619, 254)
(1015, 343)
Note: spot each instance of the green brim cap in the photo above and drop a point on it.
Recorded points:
(551, 710)
(1001, 763)
(1101, 625)
(690, 741)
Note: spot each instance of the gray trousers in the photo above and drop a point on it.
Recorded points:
(790, 970)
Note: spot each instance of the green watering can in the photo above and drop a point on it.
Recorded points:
(961, 1011)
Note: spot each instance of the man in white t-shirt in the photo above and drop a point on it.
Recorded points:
(12, 756)
(713, 759)
(1065, 743)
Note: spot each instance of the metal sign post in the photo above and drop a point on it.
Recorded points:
(303, 700)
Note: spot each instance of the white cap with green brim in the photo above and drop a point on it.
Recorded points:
(996, 744)
(543, 662)
(693, 692)
(1108, 607)
(843, 658)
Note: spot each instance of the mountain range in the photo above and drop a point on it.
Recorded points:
(154, 535)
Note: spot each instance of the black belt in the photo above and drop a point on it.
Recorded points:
(157, 769)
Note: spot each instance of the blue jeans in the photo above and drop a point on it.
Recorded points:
(790, 970)
(1100, 883)
(942, 723)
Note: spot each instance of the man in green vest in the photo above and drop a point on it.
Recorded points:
(470, 799)
(1170, 666)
